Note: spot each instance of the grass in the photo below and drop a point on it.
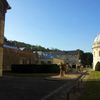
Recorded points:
(92, 89)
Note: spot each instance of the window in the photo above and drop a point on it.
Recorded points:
(99, 53)
(42, 62)
(94, 53)
(29, 61)
(49, 62)
(23, 61)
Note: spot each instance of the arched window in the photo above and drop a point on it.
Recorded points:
(99, 53)
(94, 53)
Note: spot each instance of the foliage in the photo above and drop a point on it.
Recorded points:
(81, 56)
(86, 58)
(34, 68)
(28, 47)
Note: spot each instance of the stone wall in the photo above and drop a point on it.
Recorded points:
(13, 56)
(51, 61)
(1, 41)
(4, 6)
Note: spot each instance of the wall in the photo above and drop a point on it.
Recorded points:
(57, 61)
(96, 56)
(4, 6)
(1, 41)
(13, 56)
(52, 60)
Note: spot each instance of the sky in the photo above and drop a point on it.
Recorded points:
(63, 24)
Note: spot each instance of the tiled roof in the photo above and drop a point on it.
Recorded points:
(8, 46)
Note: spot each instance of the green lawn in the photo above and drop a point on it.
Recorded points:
(92, 89)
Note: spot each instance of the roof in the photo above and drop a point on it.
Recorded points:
(8, 46)
(97, 39)
(5, 3)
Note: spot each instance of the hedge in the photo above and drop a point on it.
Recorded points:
(34, 68)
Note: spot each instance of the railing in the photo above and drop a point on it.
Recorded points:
(63, 93)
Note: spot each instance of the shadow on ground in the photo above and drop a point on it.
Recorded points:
(27, 88)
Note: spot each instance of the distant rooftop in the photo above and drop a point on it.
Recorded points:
(4, 2)
(8, 46)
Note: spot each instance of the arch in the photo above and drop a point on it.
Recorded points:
(97, 66)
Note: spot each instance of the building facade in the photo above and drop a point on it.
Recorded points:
(15, 56)
(96, 50)
(71, 57)
(51, 61)
(4, 6)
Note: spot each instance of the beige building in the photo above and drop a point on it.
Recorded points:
(96, 50)
(51, 61)
(14, 56)
(71, 57)
(4, 6)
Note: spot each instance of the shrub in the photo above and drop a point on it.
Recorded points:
(34, 68)
(97, 67)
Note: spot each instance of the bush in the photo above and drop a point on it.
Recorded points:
(97, 67)
(34, 68)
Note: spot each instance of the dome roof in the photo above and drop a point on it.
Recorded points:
(97, 39)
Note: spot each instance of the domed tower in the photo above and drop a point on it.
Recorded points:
(96, 50)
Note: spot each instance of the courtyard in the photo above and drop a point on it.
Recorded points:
(28, 88)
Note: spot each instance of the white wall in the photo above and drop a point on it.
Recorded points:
(96, 56)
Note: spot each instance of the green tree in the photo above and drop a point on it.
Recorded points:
(88, 57)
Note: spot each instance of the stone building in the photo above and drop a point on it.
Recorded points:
(51, 61)
(4, 6)
(13, 55)
(71, 57)
(96, 50)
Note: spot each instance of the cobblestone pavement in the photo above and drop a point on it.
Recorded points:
(27, 88)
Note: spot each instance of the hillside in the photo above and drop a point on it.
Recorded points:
(27, 46)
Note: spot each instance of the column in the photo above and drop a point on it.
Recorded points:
(2, 21)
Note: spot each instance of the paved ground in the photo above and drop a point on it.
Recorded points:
(26, 88)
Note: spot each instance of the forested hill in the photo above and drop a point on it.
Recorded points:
(27, 46)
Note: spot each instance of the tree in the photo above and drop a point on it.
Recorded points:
(81, 56)
(5, 39)
(88, 57)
